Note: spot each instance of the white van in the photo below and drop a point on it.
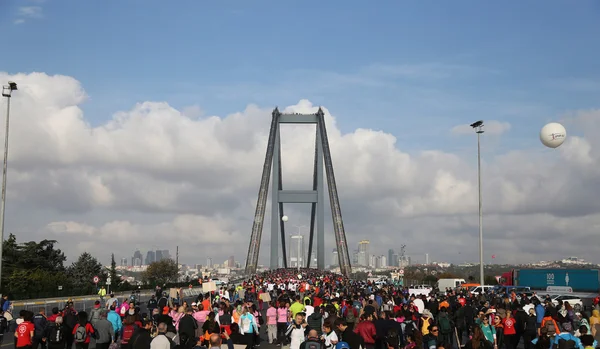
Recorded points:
(481, 289)
(443, 284)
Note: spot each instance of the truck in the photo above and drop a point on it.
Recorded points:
(452, 284)
(577, 280)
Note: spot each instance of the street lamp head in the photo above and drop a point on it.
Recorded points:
(7, 89)
(284, 218)
(477, 124)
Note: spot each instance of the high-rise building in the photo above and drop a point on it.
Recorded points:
(334, 258)
(426, 258)
(136, 260)
(231, 262)
(363, 253)
(355, 257)
(382, 262)
(123, 262)
(150, 257)
(297, 251)
(209, 262)
(390, 256)
(158, 256)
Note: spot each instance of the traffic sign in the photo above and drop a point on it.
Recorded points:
(60, 288)
(401, 272)
(108, 280)
(96, 279)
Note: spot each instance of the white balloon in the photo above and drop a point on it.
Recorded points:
(553, 135)
(284, 218)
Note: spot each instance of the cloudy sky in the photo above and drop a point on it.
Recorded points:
(145, 127)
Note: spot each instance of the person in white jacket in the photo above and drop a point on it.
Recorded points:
(248, 326)
(297, 331)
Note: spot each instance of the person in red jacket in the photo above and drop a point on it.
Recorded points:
(83, 332)
(366, 330)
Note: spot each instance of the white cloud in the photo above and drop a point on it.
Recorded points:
(492, 127)
(154, 176)
(31, 11)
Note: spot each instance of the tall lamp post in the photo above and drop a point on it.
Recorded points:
(478, 127)
(6, 92)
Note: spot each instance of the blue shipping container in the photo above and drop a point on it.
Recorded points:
(581, 280)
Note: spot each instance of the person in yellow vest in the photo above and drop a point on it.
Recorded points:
(102, 293)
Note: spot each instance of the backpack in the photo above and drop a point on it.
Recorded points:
(127, 333)
(80, 334)
(445, 326)
(566, 344)
(350, 315)
(312, 344)
(550, 328)
(56, 335)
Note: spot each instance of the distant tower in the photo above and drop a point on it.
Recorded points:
(426, 258)
(315, 197)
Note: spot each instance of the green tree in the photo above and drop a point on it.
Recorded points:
(20, 261)
(82, 271)
(162, 272)
(114, 279)
(490, 280)
(430, 280)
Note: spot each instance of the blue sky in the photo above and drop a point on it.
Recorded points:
(411, 68)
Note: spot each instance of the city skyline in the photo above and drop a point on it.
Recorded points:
(164, 148)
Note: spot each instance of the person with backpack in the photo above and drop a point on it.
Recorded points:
(445, 326)
(549, 324)
(82, 332)
(129, 328)
(95, 313)
(350, 314)
(56, 334)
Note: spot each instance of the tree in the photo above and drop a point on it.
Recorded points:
(490, 280)
(21, 260)
(83, 271)
(162, 272)
(114, 280)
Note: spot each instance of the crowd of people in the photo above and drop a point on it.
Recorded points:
(311, 309)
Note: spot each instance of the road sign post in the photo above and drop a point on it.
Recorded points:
(108, 281)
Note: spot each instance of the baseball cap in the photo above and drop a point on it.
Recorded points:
(194, 304)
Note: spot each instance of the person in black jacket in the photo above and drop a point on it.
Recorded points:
(354, 340)
(56, 334)
(187, 325)
(521, 319)
(141, 338)
(40, 322)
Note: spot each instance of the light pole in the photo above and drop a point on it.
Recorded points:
(478, 127)
(6, 92)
